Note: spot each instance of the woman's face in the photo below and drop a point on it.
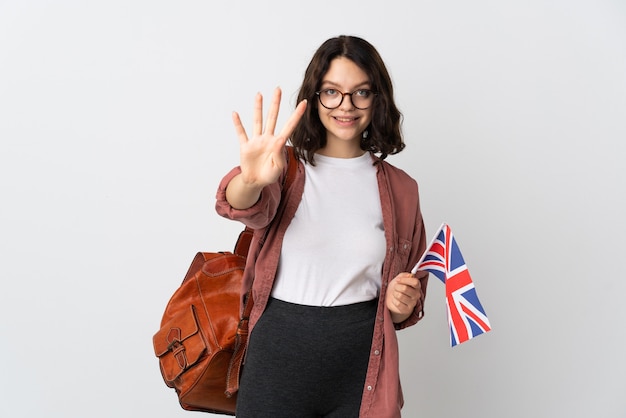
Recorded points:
(344, 124)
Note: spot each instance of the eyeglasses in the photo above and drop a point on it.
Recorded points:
(332, 98)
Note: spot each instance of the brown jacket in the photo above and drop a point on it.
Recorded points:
(406, 241)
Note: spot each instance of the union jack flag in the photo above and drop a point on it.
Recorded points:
(466, 316)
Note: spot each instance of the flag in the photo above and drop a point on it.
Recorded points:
(466, 315)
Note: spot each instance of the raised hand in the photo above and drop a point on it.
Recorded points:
(261, 156)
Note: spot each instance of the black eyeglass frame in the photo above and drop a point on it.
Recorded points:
(343, 96)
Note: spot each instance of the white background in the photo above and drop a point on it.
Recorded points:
(115, 129)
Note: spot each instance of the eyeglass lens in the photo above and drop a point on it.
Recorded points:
(331, 98)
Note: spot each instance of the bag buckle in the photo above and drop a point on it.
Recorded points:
(177, 348)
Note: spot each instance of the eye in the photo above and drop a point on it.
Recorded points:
(330, 92)
(363, 93)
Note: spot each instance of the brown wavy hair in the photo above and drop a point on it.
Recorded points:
(384, 134)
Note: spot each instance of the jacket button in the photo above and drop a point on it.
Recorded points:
(369, 388)
(377, 352)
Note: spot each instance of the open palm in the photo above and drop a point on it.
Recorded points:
(261, 155)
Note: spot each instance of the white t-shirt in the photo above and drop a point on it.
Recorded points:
(334, 247)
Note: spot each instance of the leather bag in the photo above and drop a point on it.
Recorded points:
(203, 336)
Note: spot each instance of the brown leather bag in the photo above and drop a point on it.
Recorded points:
(203, 335)
(196, 341)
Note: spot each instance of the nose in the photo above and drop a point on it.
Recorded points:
(346, 102)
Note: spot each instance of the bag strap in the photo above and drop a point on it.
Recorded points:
(241, 247)
(243, 242)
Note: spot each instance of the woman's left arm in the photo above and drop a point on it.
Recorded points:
(406, 291)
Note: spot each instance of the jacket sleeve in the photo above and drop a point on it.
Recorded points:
(257, 216)
(418, 247)
(418, 312)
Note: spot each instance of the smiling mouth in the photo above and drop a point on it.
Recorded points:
(340, 119)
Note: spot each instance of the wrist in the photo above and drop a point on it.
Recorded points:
(398, 318)
(242, 195)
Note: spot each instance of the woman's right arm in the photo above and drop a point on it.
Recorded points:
(241, 195)
(262, 157)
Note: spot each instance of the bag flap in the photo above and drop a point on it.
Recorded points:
(179, 344)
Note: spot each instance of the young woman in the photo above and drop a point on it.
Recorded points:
(331, 283)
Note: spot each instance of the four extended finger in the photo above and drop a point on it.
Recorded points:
(239, 129)
(257, 125)
(293, 120)
(272, 115)
(272, 118)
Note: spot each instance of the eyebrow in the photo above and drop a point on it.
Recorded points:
(326, 83)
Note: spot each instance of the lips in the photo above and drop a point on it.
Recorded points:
(345, 119)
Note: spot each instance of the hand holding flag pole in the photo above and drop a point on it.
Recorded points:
(466, 316)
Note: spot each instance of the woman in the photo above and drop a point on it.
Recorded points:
(331, 283)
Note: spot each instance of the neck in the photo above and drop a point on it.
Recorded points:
(341, 149)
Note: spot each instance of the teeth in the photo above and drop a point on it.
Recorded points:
(345, 119)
